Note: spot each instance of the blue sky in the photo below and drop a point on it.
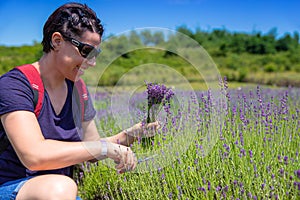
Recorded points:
(22, 20)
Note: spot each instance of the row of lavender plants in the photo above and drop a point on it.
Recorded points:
(255, 154)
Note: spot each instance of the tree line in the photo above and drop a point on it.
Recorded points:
(253, 43)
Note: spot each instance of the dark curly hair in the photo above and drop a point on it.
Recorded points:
(71, 20)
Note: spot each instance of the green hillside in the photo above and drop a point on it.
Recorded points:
(241, 57)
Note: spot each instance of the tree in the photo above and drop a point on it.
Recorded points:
(134, 39)
(158, 38)
(286, 43)
(146, 37)
(183, 29)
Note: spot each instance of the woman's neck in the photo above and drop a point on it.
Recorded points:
(52, 79)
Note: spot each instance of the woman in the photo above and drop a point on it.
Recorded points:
(37, 164)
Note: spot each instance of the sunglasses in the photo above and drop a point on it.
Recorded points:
(85, 50)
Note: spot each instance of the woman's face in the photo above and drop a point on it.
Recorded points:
(74, 55)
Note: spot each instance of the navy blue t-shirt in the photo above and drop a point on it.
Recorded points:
(17, 94)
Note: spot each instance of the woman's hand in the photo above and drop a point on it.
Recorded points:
(143, 130)
(123, 157)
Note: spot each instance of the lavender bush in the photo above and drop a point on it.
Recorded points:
(256, 155)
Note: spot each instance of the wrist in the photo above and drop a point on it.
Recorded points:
(130, 137)
(103, 148)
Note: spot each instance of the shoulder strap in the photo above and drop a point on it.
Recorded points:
(83, 95)
(37, 85)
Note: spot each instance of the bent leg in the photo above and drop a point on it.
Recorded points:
(50, 187)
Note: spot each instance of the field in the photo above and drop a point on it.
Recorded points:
(236, 143)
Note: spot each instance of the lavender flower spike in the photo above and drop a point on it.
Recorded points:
(157, 94)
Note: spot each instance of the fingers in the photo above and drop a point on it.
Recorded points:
(154, 126)
(151, 129)
(128, 165)
(125, 159)
(140, 130)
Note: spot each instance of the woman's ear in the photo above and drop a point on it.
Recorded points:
(56, 41)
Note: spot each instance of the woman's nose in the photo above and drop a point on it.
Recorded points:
(91, 62)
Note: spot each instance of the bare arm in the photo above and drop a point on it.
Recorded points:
(38, 153)
(91, 134)
(125, 137)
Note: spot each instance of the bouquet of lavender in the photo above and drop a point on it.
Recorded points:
(158, 96)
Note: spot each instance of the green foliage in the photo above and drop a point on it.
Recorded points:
(14, 56)
(140, 57)
(237, 55)
(270, 67)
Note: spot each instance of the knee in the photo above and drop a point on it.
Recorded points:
(62, 187)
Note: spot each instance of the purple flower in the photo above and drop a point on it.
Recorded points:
(285, 160)
(196, 161)
(249, 195)
(250, 154)
(202, 189)
(225, 188)
(281, 171)
(227, 148)
(297, 173)
(235, 182)
(297, 184)
(157, 95)
(243, 152)
(273, 176)
(179, 189)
